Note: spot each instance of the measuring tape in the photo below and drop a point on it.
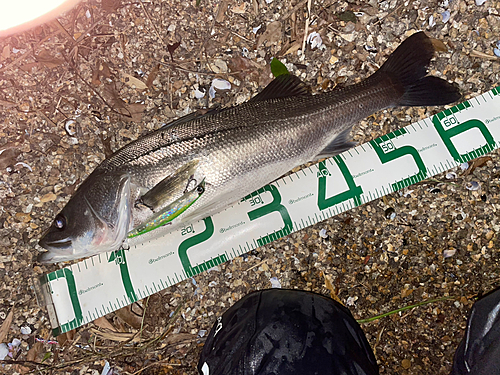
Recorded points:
(106, 282)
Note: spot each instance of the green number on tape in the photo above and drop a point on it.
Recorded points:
(66, 274)
(274, 206)
(195, 240)
(387, 152)
(446, 119)
(354, 192)
(119, 258)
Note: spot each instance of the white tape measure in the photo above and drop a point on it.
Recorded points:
(96, 286)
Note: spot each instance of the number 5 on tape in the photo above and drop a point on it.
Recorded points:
(387, 152)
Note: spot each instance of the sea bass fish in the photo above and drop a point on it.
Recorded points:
(198, 165)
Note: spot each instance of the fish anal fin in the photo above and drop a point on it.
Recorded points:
(340, 144)
(170, 187)
(283, 86)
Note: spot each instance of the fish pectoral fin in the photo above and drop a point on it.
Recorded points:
(338, 145)
(170, 187)
(283, 86)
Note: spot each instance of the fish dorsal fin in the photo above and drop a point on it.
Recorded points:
(338, 145)
(282, 87)
(192, 116)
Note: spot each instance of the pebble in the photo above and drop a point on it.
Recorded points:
(314, 39)
(351, 300)
(218, 66)
(473, 185)
(432, 22)
(348, 37)
(406, 364)
(4, 351)
(390, 213)
(446, 16)
(275, 283)
(199, 94)
(449, 253)
(202, 332)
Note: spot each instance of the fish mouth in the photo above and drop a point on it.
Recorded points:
(57, 250)
(51, 257)
(55, 244)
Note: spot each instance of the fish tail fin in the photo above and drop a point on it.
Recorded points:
(407, 69)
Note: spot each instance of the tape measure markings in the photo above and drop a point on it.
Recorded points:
(80, 293)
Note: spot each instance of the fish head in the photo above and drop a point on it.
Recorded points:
(96, 219)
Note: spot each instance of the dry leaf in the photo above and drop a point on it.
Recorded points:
(135, 111)
(112, 335)
(104, 323)
(29, 66)
(6, 52)
(476, 163)
(34, 351)
(483, 55)
(439, 45)
(106, 145)
(325, 84)
(111, 94)
(4, 329)
(331, 288)
(406, 292)
(7, 104)
(221, 10)
(272, 34)
(21, 369)
(135, 83)
(129, 317)
(9, 157)
(132, 112)
(48, 60)
(104, 70)
(152, 76)
(171, 48)
(110, 6)
(176, 338)
(66, 337)
(294, 47)
(239, 9)
(479, 162)
(244, 68)
(95, 77)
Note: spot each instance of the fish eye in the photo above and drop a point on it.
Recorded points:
(60, 222)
